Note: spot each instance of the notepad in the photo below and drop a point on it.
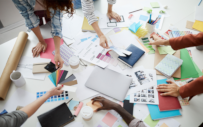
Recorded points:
(86, 26)
(168, 65)
(166, 50)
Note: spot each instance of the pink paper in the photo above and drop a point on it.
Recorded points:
(50, 48)
(109, 119)
(60, 75)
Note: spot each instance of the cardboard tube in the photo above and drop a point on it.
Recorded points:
(12, 64)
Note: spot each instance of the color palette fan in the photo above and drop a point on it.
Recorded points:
(61, 76)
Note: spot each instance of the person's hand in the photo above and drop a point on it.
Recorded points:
(40, 47)
(158, 41)
(114, 16)
(106, 104)
(58, 61)
(55, 91)
(170, 89)
(103, 42)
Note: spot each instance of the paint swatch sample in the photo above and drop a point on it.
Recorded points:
(61, 97)
(109, 119)
(145, 41)
(178, 33)
(66, 53)
(107, 58)
(116, 29)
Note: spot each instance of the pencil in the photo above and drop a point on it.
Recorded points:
(200, 2)
(69, 100)
(135, 11)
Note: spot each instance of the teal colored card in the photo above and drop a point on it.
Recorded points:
(52, 80)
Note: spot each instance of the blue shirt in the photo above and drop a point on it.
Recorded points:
(26, 8)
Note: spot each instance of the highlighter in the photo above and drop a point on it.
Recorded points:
(78, 109)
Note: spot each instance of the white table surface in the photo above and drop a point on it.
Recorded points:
(180, 11)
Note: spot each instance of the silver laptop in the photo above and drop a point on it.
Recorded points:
(109, 82)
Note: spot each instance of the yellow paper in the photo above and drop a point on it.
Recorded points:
(198, 25)
(86, 26)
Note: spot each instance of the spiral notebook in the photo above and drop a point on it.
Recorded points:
(169, 65)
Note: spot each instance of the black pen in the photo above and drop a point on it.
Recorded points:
(69, 100)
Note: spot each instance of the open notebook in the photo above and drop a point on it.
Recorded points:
(168, 65)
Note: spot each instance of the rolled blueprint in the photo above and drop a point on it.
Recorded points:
(12, 64)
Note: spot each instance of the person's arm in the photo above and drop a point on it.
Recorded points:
(56, 23)
(33, 107)
(108, 105)
(189, 90)
(32, 23)
(180, 42)
(17, 118)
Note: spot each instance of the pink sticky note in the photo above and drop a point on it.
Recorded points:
(109, 119)
(50, 48)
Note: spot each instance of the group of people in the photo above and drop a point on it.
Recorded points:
(54, 10)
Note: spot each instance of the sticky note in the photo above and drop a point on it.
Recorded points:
(94, 106)
(109, 119)
(72, 104)
(116, 29)
(119, 126)
(146, 9)
(163, 125)
(155, 4)
(143, 17)
(152, 123)
(198, 25)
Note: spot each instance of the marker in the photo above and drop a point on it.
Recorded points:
(78, 109)
(200, 2)
(150, 18)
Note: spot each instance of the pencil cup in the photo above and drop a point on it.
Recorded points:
(17, 78)
(150, 27)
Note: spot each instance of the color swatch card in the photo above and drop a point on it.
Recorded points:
(59, 77)
(168, 65)
(166, 50)
(145, 41)
(66, 53)
(61, 97)
(178, 33)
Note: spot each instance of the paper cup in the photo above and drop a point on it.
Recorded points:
(17, 78)
(74, 62)
(150, 27)
(87, 113)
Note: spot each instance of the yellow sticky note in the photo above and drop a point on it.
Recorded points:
(94, 106)
(198, 25)
(163, 125)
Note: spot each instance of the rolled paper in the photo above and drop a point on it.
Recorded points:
(12, 64)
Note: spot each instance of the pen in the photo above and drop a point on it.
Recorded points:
(69, 100)
(200, 2)
(150, 18)
(135, 11)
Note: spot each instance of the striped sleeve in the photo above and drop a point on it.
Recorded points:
(88, 10)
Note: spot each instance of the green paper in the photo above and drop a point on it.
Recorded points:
(188, 69)
(166, 50)
(155, 4)
(152, 123)
(54, 77)
(149, 11)
(119, 126)
(162, 12)
(146, 8)
(197, 69)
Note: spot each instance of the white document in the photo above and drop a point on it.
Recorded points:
(20, 97)
(90, 52)
(71, 26)
(83, 92)
(68, 88)
(26, 64)
(198, 14)
(123, 39)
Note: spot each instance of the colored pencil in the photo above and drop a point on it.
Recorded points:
(135, 11)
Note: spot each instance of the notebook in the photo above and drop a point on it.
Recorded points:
(168, 65)
(167, 103)
(57, 117)
(86, 26)
(133, 58)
